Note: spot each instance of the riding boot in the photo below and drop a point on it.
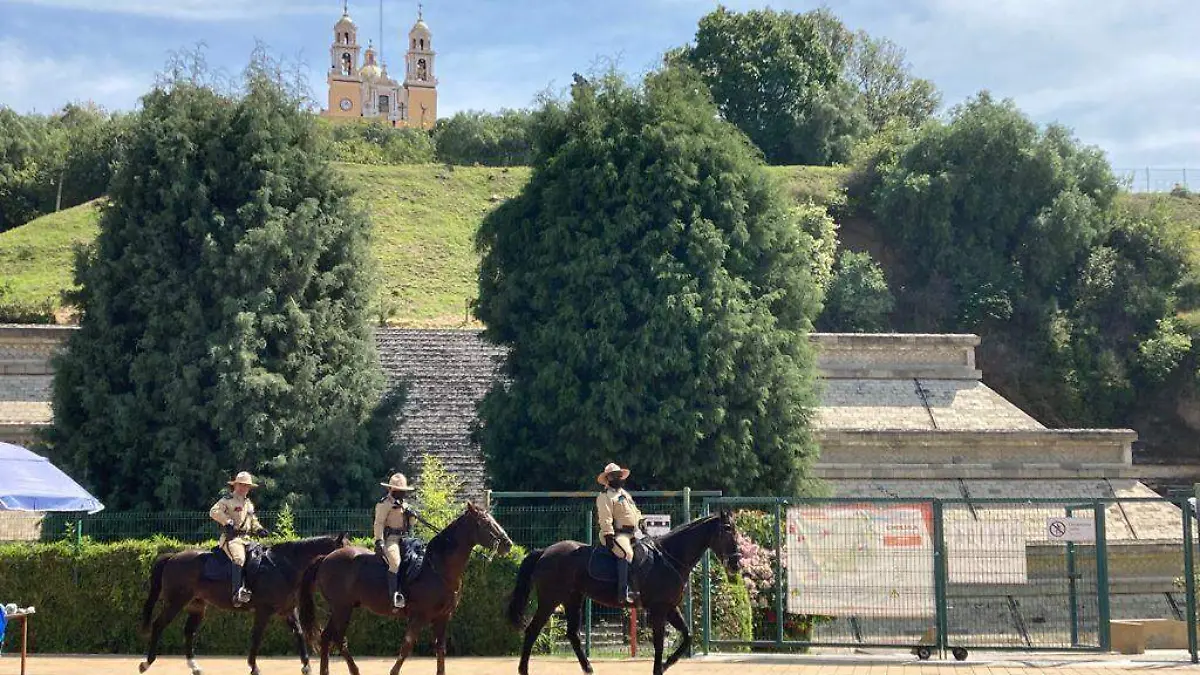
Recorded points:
(240, 595)
(394, 591)
(623, 593)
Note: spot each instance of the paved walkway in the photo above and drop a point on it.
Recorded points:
(722, 665)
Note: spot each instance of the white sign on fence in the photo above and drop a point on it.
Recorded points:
(986, 552)
(1071, 529)
(657, 526)
(861, 560)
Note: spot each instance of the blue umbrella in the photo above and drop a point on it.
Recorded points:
(29, 482)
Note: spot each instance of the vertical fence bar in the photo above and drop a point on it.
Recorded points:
(1104, 629)
(1072, 591)
(587, 604)
(779, 573)
(707, 597)
(1189, 578)
(939, 579)
(688, 611)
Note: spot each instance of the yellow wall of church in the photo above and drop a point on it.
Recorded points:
(340, 90)
(416, 97)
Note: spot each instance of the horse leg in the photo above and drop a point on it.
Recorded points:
(190, 627)
(658, 626)
(439, 643)
(573, 608)
(261, 617)
(536, 624)
(345, 647)
(293, 622)
(410, 640)
(335, 628)
(676, 619)
(174, 606)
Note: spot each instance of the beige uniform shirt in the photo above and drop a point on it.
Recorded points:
(389, 514)
(237, 510)
(616, 508)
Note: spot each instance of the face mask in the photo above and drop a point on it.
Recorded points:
(616, 483)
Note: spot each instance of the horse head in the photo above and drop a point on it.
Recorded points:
(724, 542)
(486, 532)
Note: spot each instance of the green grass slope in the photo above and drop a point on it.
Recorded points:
(425, 220)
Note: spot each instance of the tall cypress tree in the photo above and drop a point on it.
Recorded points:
(224, 311)
(654, 291)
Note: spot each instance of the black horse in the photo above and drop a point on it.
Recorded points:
(179, 579)
(561, 573)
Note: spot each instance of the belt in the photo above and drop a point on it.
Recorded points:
(391, 531)
(628, 529)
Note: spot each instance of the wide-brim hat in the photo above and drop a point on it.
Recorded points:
(243, 478)
(397, 482)
(612, 467)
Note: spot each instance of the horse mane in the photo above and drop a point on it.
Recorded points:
(293, 547)
(445, 540)
(687, 527)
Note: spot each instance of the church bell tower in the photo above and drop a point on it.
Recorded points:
(345, 82)
(420, 79)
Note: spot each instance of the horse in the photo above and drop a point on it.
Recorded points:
(179, 579)
(356, 577)
(562, 577)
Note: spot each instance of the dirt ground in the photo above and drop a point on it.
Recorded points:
(174, 665)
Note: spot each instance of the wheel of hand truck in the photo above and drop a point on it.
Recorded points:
(924, 653)
(960, 653)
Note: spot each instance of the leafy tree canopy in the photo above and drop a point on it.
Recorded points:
(654, 289)
(224, 311)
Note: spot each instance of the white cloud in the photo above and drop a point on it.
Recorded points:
(189, 10)
(32, 81)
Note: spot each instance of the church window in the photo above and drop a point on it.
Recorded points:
(422, 43)
(384, 105)
(347, 64)
(422, 70)
(403, 110)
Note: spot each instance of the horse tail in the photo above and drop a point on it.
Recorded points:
(156, 575)
(308, 605)
(520, 596)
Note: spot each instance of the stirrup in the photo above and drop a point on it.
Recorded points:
(398, 601)
(241, 597)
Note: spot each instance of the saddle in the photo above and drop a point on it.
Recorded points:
(602, 564)
(411, 562)
(218, 566)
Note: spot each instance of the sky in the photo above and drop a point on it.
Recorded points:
(1124, 74)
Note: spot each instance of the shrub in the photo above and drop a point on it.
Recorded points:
(19, 311)
(89, 601)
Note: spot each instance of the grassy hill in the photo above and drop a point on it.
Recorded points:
(425, 219)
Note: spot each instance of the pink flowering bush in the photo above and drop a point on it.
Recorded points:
(758, 568)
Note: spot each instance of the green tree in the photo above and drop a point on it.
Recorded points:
(654, 290)
(858, 299)
(888, 93)
(474, 137)
(774, 76)
(21, 141)
(224, 311)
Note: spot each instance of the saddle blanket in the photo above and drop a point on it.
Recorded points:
(411, 562)
(602, 565)
(218, 566)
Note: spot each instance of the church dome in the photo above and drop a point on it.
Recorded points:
(370, 71)
(345, 22)
(420, 29)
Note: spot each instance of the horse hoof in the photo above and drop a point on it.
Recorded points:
(143, 666)
(305, 670)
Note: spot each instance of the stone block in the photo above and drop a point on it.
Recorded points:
(1128, 637)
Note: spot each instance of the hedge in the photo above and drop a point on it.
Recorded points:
(89, 602)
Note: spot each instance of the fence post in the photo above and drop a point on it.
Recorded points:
(778, 574)
(1072, 591)
(1189, 578)
(687, 587)
(939, 579)
(707, 604)
(1102, 577)
(587, 603)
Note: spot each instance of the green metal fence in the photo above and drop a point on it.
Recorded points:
(956, 574)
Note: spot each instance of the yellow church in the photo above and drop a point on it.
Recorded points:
(367, 91)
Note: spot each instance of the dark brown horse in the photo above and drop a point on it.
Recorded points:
(561, 575)
(356, 577)
(179, 579)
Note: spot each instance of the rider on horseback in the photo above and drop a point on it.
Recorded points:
(234, 512)
(619, 520)
(393, 522)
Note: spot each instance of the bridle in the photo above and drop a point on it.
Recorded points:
(494, 531)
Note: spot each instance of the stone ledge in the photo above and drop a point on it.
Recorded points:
(935, 471)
